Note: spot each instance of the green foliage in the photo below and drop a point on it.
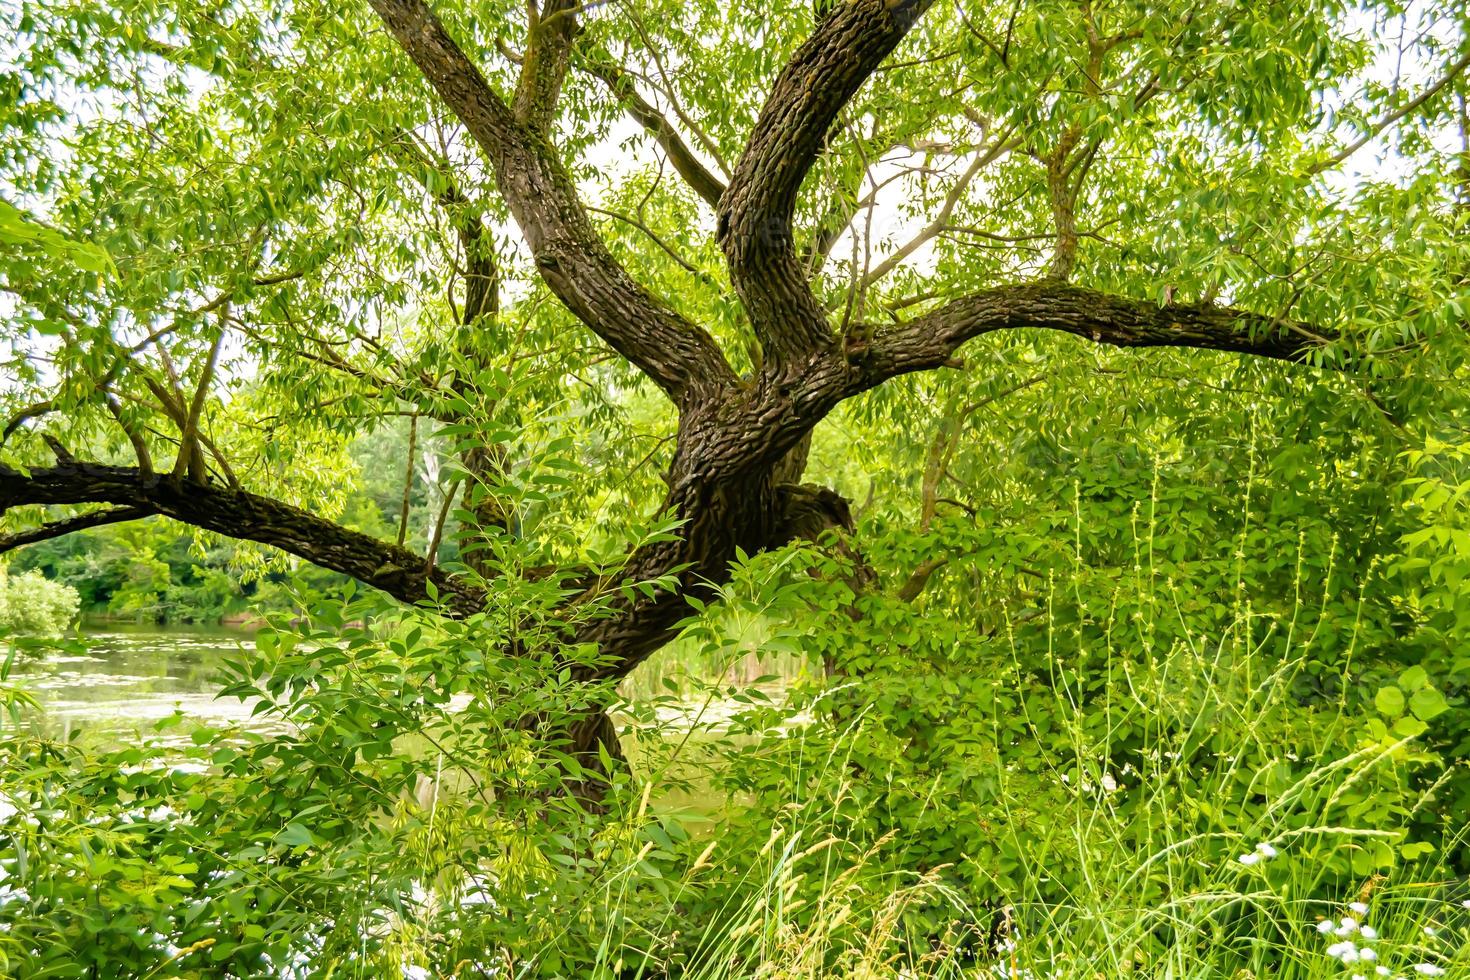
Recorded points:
(1134, 665)
(31, 604)
(21, 232)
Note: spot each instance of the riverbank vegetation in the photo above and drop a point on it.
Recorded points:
(33, 605)
(870, 488)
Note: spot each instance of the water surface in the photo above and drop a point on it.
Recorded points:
(132, 676)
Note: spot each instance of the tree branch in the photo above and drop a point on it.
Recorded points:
(941, 219)
(690, 167)
(574, 262)
(238, 514)
(930, 340)
(56, 529)
(755, 214)
(1450, 74)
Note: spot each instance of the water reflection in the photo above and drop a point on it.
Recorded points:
(134, 675)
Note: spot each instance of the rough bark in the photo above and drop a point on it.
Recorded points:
(931, 340)
(244, 515)
(755, 214)
(570, 257)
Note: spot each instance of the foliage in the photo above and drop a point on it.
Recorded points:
(1128, 662)
(31, 604)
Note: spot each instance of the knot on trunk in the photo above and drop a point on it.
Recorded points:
(806, 511)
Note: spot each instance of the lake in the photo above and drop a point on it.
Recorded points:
(135, 675)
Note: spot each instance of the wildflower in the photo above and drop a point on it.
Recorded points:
(1266, 850)
(1430, 931)
(1348, 927)
(1346, 951)
(1465, 904)
(1326, 926)
(1251, 858)
(1428, 970)
(1369, 932)
(1359, 907)
(1367, 953)
(1382, 970)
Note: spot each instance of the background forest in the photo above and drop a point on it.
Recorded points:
(872, 488)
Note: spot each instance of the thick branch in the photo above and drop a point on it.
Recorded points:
(688, 166)
(544, 64)
(56, 529)
(542, 196)
(755, 226)
(930, 341)
(238, 514)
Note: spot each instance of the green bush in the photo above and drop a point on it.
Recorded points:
(32, 605)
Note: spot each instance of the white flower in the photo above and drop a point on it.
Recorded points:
(1345, 951)
(1428, 970)
(1265, 850)
(1250, 858)
(1430, 932)
(1326, 926)
(1359, 976)
(1367, 953)
(1382, 970)
(1348, 927)
(1465, 904)
(1369, 932)
(1359, 907)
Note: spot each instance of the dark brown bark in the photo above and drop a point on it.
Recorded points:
(570, 257)
(755, 215)
(930, 341)
(69, 525)
(243, 515)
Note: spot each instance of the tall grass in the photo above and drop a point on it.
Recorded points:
(1243, 901)
(1290, 887)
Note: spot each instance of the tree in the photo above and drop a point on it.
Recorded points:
(277, 188)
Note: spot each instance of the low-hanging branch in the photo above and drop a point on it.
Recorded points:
(68, 525)
(237, 514)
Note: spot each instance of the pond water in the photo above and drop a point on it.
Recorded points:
(134, 675)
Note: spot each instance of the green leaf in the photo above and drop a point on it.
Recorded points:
(1426, 703)
(1389, 701)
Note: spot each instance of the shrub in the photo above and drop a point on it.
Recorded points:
(31, 604)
